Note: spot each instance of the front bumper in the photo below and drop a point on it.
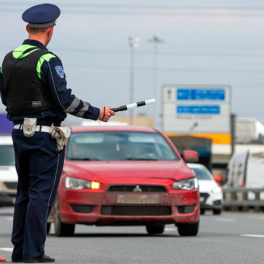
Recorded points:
(178, 206)
(211, 201)
(7, 199)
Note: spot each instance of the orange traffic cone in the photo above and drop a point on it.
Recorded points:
(2, 259)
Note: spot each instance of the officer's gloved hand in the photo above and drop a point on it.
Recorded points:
(106, 113)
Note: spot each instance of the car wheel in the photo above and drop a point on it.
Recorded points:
(48, 228)
(188, 229)
(61, 229)
(154, 230)
(202, 211)
(217, 211)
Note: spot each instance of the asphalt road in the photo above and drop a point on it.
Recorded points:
(229, 238)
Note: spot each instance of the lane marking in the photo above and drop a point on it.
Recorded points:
(256, 217)
(225, 219)
(252, 235)
(7, 249)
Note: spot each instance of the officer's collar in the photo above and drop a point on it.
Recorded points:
(34, 43)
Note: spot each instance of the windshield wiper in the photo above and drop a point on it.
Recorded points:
(138, 159)
(84, 158)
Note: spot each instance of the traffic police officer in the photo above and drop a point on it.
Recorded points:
(33, 85)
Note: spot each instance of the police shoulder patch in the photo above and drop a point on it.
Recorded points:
(60, 71)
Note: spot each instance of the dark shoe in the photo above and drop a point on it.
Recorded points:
(45, 258)
(17, 260)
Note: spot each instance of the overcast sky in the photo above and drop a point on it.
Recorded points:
(206, 42)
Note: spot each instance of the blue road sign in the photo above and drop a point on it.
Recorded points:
(201, 94)
(199, 109)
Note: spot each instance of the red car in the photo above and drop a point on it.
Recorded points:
(126, 175)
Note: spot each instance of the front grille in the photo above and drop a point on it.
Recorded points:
(136, 210)
(131, 188)
(11, 185)
(205, 195)
(83, 209)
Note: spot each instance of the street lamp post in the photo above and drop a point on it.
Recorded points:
(133, 43)
(155, 40)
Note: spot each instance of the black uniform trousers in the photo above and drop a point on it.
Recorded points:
(39, 167)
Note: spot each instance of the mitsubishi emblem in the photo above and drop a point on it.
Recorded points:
(137, 189)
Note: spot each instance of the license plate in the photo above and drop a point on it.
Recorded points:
(137, 199)
(201, 199)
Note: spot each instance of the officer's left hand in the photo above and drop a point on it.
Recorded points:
(106, 113)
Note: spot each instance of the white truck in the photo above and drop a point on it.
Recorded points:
(248, 130)
(246, 169)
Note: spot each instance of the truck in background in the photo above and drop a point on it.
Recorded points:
(248, 130)
(246, 170)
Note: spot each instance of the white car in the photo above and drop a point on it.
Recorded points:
(211, 196)
(8, 174)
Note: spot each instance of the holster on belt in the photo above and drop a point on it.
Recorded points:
(29, 126)
(60, 134)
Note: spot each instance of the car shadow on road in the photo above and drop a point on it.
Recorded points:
(118, 235)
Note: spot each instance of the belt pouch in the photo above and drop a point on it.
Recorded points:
(29, 126)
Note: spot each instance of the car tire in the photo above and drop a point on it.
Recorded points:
(217, 211)
(188, 229)
(155, 230)
(48, 228)
(61, 229)
(202, 211)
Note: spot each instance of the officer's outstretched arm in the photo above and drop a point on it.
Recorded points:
(62, 96)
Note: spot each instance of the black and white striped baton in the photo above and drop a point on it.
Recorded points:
(131, 106)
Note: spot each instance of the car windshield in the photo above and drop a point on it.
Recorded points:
(202, 174)
(119, 146)
(7, 155)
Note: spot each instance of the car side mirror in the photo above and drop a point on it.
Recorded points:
(190, 156)
(218, 179)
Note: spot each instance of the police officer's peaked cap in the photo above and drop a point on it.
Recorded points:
(41, 16)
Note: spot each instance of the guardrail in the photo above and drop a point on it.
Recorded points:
(243, 199)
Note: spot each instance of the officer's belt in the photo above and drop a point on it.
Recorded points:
(38, 128)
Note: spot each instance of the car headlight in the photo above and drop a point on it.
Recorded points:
(188, 184)
(79, 184)
(217, 190)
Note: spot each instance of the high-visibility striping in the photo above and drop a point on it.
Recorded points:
(75, 103)
(46, 57)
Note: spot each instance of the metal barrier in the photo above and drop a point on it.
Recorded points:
(243, 199)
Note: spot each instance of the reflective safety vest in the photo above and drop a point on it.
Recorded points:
(24, 90)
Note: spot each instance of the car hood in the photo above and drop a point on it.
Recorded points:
(8, 173)
(207, 185)
(128, 171)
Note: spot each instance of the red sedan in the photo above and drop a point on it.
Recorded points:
(126, 176)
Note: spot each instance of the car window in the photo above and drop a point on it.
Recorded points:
(7, 155)
(119, 146)
(202, 174)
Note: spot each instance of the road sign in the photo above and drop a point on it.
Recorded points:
(200, 109)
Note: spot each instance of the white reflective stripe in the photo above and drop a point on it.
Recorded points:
(130, 106)
(83, 110)
(16, 126)
(150, 101)
(75, 103)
